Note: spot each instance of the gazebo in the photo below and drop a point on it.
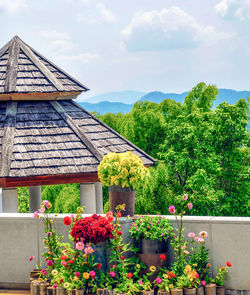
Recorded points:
(45, 137)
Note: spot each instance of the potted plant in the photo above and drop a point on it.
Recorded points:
(190, 280)
(122, 173)
(162, 283)
(221, 277)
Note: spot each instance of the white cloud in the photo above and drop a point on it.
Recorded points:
(12, 6)
(61, 45)
(233, 9)
(86, 57)
(165, 29)
(95, 16)
(55, 35)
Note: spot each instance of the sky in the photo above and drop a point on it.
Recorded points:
(142, 45)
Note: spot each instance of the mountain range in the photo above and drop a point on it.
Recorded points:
(122, 101)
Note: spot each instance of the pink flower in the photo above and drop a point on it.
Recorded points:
(171, 209)
(203, 283)
(50, 263)
(31, 258)
(185, 197)
(64, 263)
(88, 250)
(140, 282)
(55, 286)
(158, 280)
(77, 274)
(44, 272)
(191, 235)
(49, 233)
(203, 234)
(112, 274)
(46, 203)
(196, 239)
(92, 273)
(190, 206)
(79, 246)
(197, 275)
(109, 216)
(35, 214)
(42, 210)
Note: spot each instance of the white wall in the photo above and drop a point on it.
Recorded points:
(22, 236)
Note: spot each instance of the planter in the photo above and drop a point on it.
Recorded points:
(79, 292)
(35, 273)
(150, 292)
(147, 246)
(119, 196)
(220, 290)
(60, 291)
(111, 292)
(35, 288)
(43, 288)
(190, 291)
(100, 254)
(51, 291)
(176, 292)
(162, 292)
(210, 289)
(102, 291)
(200, 291)
(70, 292)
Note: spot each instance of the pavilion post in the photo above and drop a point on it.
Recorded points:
(34, 198)
(9, 200)
(98, 197)
(88, 197)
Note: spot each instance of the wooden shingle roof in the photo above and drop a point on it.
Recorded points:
(25, 71)
(43, 141)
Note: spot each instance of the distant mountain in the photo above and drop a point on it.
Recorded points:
(107, 107)
(128, 97)
(157, 96)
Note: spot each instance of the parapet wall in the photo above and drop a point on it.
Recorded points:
(22, 236)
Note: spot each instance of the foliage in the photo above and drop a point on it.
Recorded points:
(125, 169)
(222, 274)
(151, 227)
(23, 199)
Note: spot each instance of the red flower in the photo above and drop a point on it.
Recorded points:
(163, 257)
(67, 220)
(70, 261)
(119, 233)
(93, 229)
(64, 257)
(61, 281)
(228, 263)
(99, 265)
(119, 214)
(122, 257)
(129, 275)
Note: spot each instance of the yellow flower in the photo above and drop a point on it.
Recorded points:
(138, 266)
(152, 268)
(76, 278)
(188, 268)
(165, 276)
(54, 272)
(66, 285)
(50, 253)
(85, 275)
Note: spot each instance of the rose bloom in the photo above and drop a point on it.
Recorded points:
(110, 216)
(203, 283)
(171, 209)
(190, 206)
(92, 273)
(50, 263)
(228, 263)
(191, 235)
(112, 274)
(163, 257)
(158, 280)
(203, 234)
(31, 258)
(79, 246)
(67, 220)
(64, 263)
(129, 275)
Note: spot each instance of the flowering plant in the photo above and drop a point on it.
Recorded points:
(151, 227)
(162, 282)
(125, 169)
(222, 274)
(191, 277)
(199, 253)
(93, 229)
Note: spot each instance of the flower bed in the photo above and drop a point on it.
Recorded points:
(71, 267)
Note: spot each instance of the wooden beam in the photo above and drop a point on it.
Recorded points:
(10, 182)
(12, 65)
(94, 150)
(8, 138)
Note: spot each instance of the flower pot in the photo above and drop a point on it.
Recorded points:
(35, 273)
(60, 291)
(79, 292)
(220, 290)
(146, 292)
(147, 246)
(100, 254)
(51, 291)
(102, 291)
(119, 196)
(35, 288)
(70, 292)
(176, 292)
(190, 291)
(43, 288)
(200, 291)
(111, 292)
(210, 289)
(163, 292)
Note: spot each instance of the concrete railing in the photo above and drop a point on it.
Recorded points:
(22, 236)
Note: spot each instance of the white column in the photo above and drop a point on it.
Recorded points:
(98, 197)
(34, 198)
(1, 206)
(87, 197)
(10, 200)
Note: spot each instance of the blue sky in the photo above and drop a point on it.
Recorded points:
(144, 45)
